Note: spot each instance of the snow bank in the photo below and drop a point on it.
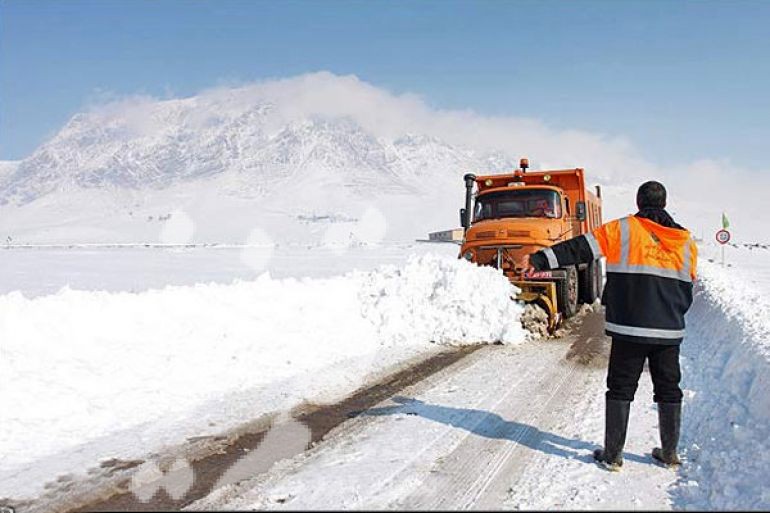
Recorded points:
(440, 300)
(83, 365)
(726, 360)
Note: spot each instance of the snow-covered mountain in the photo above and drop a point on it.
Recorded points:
(317, 146)
(7, 167)
(225, 160)
(171, 142)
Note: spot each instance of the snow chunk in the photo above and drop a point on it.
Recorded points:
(447, 301)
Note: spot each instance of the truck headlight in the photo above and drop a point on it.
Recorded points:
(468, 255)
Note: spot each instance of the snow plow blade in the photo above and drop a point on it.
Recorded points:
(543, 294)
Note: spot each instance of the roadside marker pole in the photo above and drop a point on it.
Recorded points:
(723, 237)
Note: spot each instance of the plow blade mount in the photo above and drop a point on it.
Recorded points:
(543, 294)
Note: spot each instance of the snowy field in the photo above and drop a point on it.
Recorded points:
(94, 374)
(45, 270)
(115, 353)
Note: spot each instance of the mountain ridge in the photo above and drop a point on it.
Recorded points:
(168, 142)
(231, 161)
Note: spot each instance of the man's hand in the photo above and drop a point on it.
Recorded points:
(528, 267)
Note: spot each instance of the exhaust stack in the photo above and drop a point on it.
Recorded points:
(470, 179)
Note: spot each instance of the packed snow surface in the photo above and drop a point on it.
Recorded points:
(491, 432)
(83, 366)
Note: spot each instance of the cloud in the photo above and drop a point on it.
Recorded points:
(389, 115)
(698, 191)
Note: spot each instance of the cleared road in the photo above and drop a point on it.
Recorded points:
(509, 427)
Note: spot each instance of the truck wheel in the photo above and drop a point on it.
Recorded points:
(567, 292)
(590, 283)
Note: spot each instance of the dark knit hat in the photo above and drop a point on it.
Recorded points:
(651, 195)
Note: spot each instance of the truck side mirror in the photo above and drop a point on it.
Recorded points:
(463, 220)
(580, 208)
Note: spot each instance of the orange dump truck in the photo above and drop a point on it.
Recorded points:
(514, 214)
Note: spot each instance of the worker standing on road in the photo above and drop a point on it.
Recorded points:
(651, 264)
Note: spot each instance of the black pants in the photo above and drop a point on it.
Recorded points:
(626, 364)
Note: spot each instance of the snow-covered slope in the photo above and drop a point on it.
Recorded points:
(185, 140)
(225, 161)
(7, 168)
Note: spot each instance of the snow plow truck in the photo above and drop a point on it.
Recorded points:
(511, 215)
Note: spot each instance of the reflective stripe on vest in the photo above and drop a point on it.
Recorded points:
(624, 267)
(625, 241)
(687, 256)
(553, 262)
(636, 331)
(596, 250)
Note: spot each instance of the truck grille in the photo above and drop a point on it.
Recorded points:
(518, 233)
(486, 235)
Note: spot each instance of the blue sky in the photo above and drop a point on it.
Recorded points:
(681, 80)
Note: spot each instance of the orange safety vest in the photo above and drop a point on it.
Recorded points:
(638, 245)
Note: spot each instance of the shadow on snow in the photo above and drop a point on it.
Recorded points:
(492, 425)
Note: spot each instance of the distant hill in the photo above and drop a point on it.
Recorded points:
(111, 173)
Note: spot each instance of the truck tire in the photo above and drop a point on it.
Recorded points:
(590, 283)
(567, 293)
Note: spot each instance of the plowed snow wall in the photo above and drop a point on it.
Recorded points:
(726, 419)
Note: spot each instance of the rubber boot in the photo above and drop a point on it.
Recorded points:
(669, 422)
(615, 426)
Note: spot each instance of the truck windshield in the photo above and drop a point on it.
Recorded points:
(518, 203)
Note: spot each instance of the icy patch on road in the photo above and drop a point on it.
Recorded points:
(726, 360)
(80, 367)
